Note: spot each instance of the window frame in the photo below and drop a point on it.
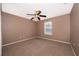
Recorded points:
(48, 25)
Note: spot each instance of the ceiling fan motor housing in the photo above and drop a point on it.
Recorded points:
(38, 12)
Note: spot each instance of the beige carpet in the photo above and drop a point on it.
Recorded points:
(38, 47)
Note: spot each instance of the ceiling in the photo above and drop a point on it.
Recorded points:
(49, 9)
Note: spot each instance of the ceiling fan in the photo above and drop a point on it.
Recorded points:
(37, 15)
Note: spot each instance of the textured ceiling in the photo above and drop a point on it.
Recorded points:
(49, 9)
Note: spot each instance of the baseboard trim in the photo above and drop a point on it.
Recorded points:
(17, 41)
(73, 51)
(33, 38)
(54, 40)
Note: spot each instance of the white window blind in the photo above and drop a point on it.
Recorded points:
(48, 28)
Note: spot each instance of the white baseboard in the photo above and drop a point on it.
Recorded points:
(17, 41)
(73, 51)
(54, 40)
(36, 37)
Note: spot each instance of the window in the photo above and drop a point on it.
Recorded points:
(48, 28)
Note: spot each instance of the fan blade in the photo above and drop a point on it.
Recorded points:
(31, 14)
(32, 18)
(38, 18)
(42, 15)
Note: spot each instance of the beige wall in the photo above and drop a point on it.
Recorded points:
(15, 28)
(61, 28)
(75, 28)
